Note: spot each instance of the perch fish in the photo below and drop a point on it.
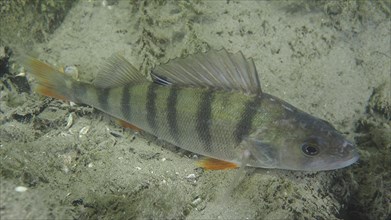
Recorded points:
(210, 104)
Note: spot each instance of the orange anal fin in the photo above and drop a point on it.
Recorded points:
(215, 164)
(125, 124)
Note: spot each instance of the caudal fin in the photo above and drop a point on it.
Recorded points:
(50, 82)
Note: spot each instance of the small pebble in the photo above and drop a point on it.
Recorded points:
(191, 176)
(20, 189)
(65, 169)
(196, 201)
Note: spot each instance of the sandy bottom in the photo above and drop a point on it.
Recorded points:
(331, 60)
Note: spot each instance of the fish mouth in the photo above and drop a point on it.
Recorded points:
(353, 159)
(339, 164)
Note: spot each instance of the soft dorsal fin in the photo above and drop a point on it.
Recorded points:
(214, 69)
(117, 72)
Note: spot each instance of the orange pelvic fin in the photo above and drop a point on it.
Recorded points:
(215, 164)
(125, 124)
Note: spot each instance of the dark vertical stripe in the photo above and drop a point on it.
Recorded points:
(79, 90)
(204, 117)
(172, 114)
(151, 107)
(244, 126)
(125, 102)
(103, 95)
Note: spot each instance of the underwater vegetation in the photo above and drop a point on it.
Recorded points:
(30, 21)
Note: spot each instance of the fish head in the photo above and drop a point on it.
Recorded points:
(295, 140)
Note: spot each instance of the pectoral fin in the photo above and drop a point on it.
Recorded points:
(264, 153)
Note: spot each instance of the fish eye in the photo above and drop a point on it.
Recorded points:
(310, 149)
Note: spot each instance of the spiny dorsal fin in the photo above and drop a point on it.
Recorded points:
(117, 72)
(214, 69)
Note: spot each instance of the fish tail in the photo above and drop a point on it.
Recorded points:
(50, 82)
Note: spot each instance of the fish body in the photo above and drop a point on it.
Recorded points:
(210, 104)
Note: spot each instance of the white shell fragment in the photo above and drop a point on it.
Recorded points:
(72, 71)
(21, 189)
(84, 131)
(21, 74)
(70, 120)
